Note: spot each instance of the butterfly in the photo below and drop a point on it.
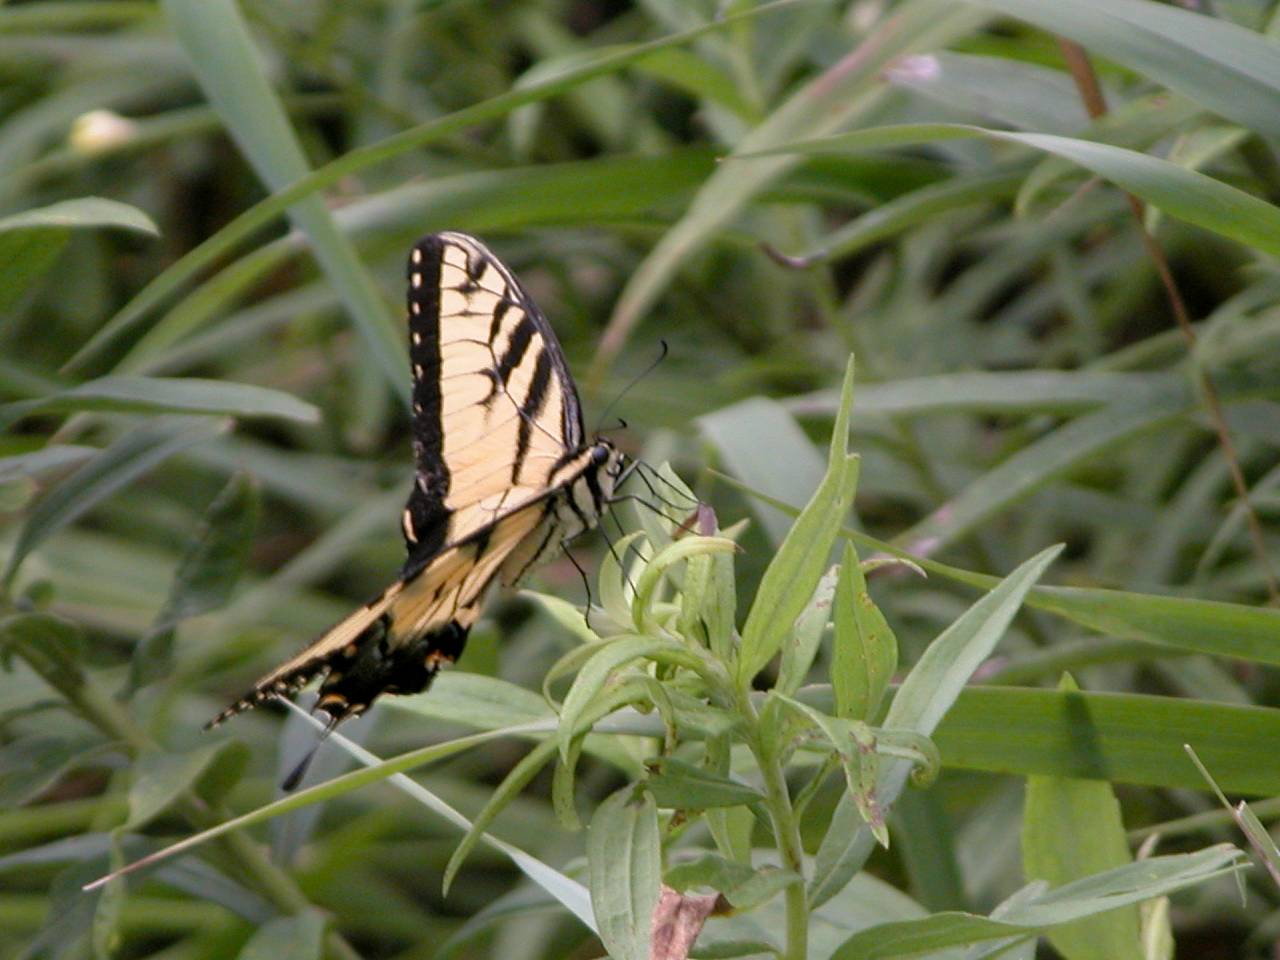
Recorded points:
(504, 477)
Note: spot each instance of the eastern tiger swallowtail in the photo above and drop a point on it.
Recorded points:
(505, 475)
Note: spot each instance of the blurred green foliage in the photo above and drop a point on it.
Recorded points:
(204, 213)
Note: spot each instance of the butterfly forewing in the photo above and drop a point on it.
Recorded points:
(495, 411)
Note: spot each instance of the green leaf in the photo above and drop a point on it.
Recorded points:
(533, 762)
(865, 651)
(699, 77)
(160, 777)
(707, 870)
(677, 785)
(1120, 737)
(16, 492)
(1205, 626)
(1046, 459)
(129, 458)
(799, 654)
(1096, 894)
(830, 101)
(614, 581)
(743, 886)
(220, 51)
(298, 937)
(161, 395)
(1131, 738)
(1252, 827)
(52, 646)
(945, 667)
(595, 674)
(708, 603)
(212, 564)
(854, 746)
(567, 615)
(31, 241)
(79, 213)
(752, 438)
(732, 828)
(205, 577)
(1215, 62)
(562, 786)
(30, 765)
(909, 210)
(1008, 91)
(51, 459)
(795, 571)
(1179, 192)
(362, 158)
(994, 392)
(924, 698)
(515, 781)
(696, 600)
(485, 703)
(27, 256)
(1186, 623)
(571, 894)
(1070, 830)
(568, 891)
(624, 858)
(673, 553)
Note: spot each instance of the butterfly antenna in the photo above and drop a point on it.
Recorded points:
(662, 355)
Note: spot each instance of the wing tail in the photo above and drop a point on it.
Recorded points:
(328, 655)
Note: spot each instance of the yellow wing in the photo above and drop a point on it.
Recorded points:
(503, 476)
(397, 641)
(495, 412)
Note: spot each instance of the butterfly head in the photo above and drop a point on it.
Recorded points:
(607, 465)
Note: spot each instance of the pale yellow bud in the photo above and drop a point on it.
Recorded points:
(100, 130)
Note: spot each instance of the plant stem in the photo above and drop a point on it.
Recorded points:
(787, 835)
(786, 830)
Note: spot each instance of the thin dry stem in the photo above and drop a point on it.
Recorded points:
(1086, 80)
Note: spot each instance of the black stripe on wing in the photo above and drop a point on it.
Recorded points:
(478, 257)
(517, 347)
(531, 411)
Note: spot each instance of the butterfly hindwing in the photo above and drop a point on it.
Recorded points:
(397, 642)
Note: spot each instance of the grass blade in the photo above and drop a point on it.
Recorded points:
(113, 469)
(228, 68)
(1217, 63)
(924, 698)
(1179, 192)
(1071, 829)
(264, 212)
(166, 395)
